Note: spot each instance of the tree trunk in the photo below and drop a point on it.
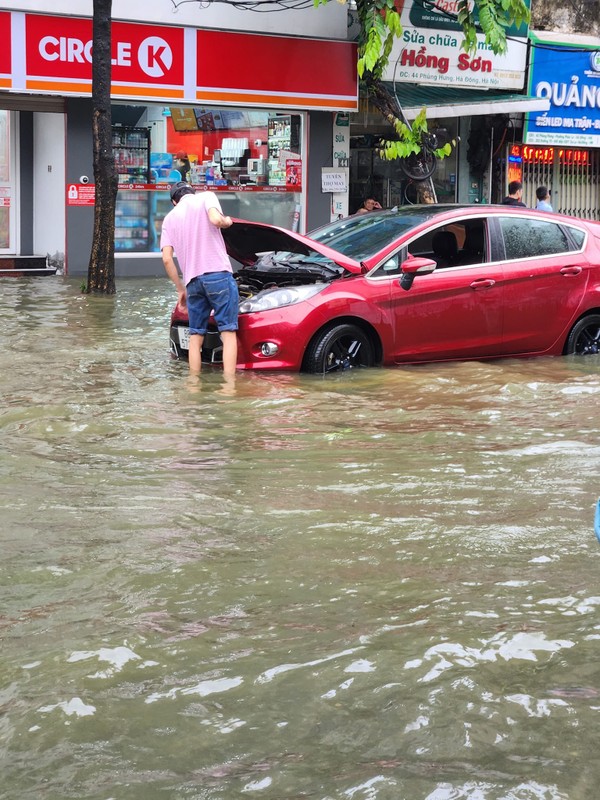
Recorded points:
(101, 269)
(388, 105)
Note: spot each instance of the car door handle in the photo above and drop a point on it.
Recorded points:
(571, 270)
(483, 283)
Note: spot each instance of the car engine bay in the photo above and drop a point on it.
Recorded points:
(264, 276)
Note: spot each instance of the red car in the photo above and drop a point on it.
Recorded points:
(409, 285)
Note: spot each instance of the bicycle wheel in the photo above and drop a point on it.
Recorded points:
(410, 195)
(419, 166)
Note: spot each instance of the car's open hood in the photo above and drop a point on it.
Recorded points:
(245, 240)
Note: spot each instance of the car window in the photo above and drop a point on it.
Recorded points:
(440, 244)
(453, 245)
(391, 266)
(528, 238)
(578, 236)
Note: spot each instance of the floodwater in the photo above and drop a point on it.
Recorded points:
(377, 586)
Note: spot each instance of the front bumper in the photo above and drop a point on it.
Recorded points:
(289, 332)
(212, 348)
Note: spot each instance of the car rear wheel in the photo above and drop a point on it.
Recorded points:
(584, 339)
(337, 348)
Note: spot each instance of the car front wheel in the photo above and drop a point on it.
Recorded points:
(584, 339)
(337, 348)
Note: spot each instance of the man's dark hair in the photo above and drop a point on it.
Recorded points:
(179, 189)
(514, 187)
(542, 192)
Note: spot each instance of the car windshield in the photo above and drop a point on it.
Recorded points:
(363, 235)
(358, 237)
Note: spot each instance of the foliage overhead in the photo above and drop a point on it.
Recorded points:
(379, 25)
(409, 139)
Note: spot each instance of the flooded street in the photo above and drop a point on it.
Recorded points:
(377, 586)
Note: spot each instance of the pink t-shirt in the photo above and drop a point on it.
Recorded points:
(198, 244)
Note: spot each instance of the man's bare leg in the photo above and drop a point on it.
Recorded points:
(195, 353)
(229, 339)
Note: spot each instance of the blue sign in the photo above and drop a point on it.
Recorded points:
(570, 79)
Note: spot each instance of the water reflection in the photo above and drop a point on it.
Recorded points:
(381, 585)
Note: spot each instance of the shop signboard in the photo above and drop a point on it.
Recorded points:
(514, 164)
(275, 71)
(52, 54)
(570, 79)
(430, 51)
(5, 50)
(334, 180)
(147, 60)
(341, 158)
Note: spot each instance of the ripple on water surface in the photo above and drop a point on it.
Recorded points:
(380, 585)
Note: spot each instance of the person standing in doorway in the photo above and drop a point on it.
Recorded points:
(515, 193)
(543, 199)
(191, 231)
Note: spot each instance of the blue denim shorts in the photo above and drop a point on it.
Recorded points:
(213, 291)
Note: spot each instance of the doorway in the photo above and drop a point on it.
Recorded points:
(8, 183)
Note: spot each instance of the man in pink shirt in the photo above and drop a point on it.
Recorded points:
(192, 233)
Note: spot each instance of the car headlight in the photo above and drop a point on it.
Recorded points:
(277, 298)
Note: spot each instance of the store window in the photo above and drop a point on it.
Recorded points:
(252, 159)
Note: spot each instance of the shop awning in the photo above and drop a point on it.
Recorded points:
(453, 102)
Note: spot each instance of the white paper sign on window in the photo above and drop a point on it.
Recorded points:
(334, 180)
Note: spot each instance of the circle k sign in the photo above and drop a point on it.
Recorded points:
(61, 47)
(155, 57)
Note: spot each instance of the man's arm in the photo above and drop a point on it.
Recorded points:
(218, 220)
(173, 273)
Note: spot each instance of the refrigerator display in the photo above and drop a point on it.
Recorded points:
(131, 221)
(131, 149)
(283, 142)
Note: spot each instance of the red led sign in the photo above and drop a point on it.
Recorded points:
(545, 155)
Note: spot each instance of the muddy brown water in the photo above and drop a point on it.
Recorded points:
(377, 586)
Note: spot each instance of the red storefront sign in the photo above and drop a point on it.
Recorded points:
(150, 61)
(242, 68)
(5, 50)
(147, 60)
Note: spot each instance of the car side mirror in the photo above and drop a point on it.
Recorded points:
(413, 266)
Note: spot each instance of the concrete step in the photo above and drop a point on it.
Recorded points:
(23, 266)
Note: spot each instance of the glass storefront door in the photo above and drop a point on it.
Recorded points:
(7, 184)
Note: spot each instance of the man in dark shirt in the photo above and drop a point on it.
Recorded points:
(515, 192)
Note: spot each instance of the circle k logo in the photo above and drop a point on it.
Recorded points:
(155, 57)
